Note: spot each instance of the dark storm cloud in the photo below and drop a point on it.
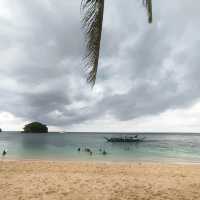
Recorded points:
(144, 69)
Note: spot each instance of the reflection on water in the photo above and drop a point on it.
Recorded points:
(157, 147)
(32, 142)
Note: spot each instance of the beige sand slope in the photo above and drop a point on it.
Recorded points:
(24, 180)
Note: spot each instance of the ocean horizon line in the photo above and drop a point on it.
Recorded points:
(115, 132)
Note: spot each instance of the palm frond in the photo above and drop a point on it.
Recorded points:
(148, 5)
(92, 20)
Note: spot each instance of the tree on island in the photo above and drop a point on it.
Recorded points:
(0, 130)
(35, 127)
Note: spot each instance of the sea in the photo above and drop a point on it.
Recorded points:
(156, 147)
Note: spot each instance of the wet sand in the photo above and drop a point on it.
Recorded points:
(52, 180)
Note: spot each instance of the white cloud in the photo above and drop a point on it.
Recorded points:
(9, 122)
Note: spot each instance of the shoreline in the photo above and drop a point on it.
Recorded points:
(71, 180)
(165, 162)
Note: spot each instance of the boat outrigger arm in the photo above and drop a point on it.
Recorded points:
(125, 139)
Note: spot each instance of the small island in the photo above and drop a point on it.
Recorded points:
(0, 130)
(35, 127)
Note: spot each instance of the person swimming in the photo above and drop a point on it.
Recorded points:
(104, 152)
(4, 152)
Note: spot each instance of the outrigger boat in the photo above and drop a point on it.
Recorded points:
(125, 139)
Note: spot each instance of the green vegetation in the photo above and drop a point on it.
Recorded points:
(35, 127)
(92, 12)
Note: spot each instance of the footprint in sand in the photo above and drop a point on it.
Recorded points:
(50, 192)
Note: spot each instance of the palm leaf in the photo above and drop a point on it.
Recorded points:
(148, 5)
(92, 12)
(92, 19)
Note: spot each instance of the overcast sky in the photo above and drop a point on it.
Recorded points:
(148, 78)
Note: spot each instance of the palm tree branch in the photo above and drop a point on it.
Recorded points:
(92, 20)
(148, 5)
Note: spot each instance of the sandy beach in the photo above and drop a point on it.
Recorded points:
(48, 180)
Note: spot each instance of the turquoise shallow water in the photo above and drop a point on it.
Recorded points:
(159, 147)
